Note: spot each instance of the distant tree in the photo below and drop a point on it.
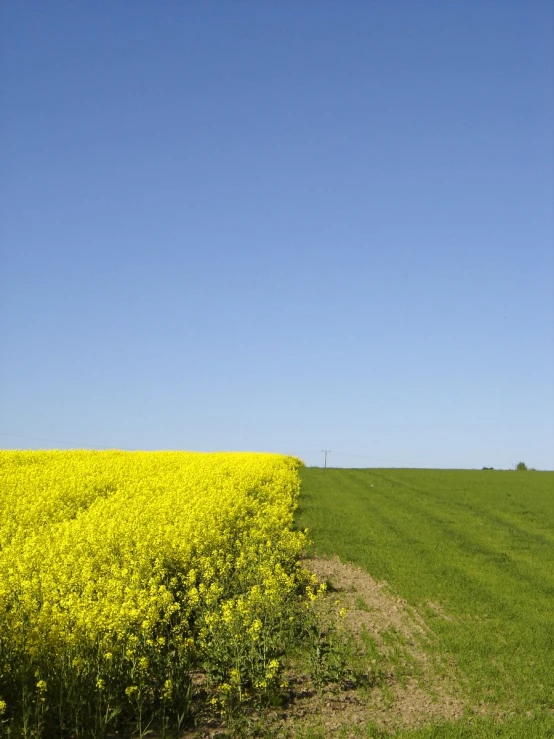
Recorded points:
(521, 467)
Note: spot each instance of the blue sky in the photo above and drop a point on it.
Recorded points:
(280, 226)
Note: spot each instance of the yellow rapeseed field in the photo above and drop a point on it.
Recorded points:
(123, 575)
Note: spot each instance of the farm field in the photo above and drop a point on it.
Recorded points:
(171, 594)
(471, 552)
(136, 587)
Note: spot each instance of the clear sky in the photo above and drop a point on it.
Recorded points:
(280, 226)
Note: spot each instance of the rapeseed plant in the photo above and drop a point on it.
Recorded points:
(123, 573)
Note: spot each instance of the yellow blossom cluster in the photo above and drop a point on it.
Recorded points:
(121, 573)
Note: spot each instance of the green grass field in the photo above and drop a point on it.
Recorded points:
(477, 544)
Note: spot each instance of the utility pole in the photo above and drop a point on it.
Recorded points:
(326, 452)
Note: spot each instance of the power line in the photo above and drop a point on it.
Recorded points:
(359, 456)
(300, 452)
(326, 452)
(54, 441)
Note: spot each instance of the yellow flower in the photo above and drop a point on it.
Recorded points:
(120, 561)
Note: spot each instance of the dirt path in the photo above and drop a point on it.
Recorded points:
(411, 688)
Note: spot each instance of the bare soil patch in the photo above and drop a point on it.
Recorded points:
(413, 687)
